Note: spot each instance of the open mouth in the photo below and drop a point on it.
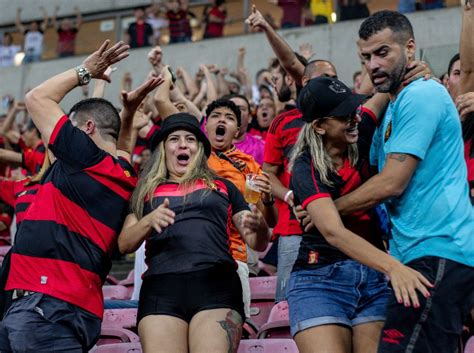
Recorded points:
(264, 114)
(378, 79)
(220, 133)
(183, 159)
(354, 130)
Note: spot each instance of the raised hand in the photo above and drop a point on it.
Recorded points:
(306, 50)
(256, 21)
(131, 100)
(98, 62)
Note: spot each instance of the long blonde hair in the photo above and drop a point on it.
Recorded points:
(44, 167)
(156, 173)
(309, 139)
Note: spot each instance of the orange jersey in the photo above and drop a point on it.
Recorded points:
(233, 165)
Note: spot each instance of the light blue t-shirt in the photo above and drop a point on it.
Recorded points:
(434, 215)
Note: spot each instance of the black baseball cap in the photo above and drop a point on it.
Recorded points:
(181, 121)
(325, 96)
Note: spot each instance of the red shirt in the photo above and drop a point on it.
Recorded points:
(18, 194)
(215, 29)
(469, 156)
(281, 137)
(66, 41)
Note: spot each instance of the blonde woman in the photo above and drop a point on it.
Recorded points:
(191, 297)
(338, 290)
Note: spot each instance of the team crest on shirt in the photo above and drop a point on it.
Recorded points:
(313, 257)
(388, 131)
(127, 173)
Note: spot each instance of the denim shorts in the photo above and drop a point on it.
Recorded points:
(344, 293)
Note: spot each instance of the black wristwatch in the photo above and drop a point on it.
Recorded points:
(83, 75)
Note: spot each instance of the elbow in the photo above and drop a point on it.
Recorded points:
(124, 246)
(393, 190)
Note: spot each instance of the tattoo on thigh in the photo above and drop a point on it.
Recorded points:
(398, 157)
(232, 325)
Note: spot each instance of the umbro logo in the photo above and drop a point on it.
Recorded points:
(392, 336)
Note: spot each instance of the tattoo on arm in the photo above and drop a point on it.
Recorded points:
(398, 157)
(232, 325)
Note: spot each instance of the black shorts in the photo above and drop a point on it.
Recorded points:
(437, 324)
(184, 295)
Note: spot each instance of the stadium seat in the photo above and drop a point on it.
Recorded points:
(262, 291)
(116, 292)
(116, 335)
(118, 348)
(469, 345)
(278, 323)
(120, 318)
(275, 345)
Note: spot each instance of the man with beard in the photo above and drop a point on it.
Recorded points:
(422, 180)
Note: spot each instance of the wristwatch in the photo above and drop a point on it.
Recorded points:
(83, 75)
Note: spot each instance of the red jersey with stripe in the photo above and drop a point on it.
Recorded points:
(33, 158)
(63, 246)
(199, 238)
(19, 194)
(469, 157)
(280, 139)
(307, 185)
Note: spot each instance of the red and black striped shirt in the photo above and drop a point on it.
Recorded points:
(63, 246)
(281, 137)
(19, 194)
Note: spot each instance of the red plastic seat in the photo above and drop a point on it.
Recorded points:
(278, 324)
(118, 348)
(469, 345)
(116, 335)
(263, 288)
(276, 345)
(120, 318)
(116, 292)
(262, 292)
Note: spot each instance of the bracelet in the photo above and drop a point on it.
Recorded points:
(287, 195)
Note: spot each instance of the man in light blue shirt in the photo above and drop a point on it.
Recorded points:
(418, 149)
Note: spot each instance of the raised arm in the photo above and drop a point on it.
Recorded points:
(131, 101)
(11, 115)
(178, 97)
(282, 50)
(211, 94)
(77, 10)
(191, 88)
(466, 50)
(19, 26)
(44, 24)
(99, 85)
(54, 17)
(43, 101)
(162, 98)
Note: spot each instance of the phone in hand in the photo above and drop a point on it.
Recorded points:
(173, 75)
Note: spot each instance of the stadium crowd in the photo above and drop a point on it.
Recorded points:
(361, 197)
